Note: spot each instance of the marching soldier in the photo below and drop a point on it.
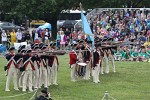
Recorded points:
(96, 65)
(36, 62)
(102, 59)
(73, 60)
(11, 69)
(43, 68)
(20, 64)
(106, 60)
(53, 60)
(28, 68)
(111, 58)
(87, 59)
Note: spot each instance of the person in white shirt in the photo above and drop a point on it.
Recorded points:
(46, 36)
(4, 37)
(19, 35)
(36, 36)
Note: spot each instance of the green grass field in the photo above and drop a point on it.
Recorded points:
(130, 82)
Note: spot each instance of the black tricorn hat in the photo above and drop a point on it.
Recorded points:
(11, 48)
(22, 46)
(41, 44)
(89, 42)
(43, 47)
(23, 51)
(54, 44)
(81, 41)
(36, 47)
(28, 51)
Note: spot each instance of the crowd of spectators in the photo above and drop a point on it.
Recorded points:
(130, 27)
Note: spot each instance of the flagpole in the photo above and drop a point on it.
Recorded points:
(81, 12)
(81, 9)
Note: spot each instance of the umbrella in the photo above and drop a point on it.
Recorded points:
(46, 25)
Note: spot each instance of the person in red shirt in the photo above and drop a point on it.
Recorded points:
(73, 60)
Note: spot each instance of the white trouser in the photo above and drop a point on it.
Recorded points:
(96, 74)
(87, 73)
(12, 71)
(18, 77)
(21, 79)
(106, 64)
(101, 65)
(54, 71)
(73, 72)
(111, 58)
(43, 76)
(36, 76)
(27, 78)
(49, 75)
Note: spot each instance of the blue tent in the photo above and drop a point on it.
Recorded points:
(46, 25)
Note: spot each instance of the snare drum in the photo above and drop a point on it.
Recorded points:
(81, 69)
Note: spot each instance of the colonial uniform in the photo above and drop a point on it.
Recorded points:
(73, 60)
(102, 59)
(43, 69)
(111, 58)
(36, 74)
(53, 63)
(28, 69)
(96, 66)
(11, 70)
(20, 64)
(87, 59)
(106, 60)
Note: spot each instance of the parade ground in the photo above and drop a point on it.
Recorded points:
(130, 82)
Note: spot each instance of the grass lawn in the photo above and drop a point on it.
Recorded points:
(130, 82)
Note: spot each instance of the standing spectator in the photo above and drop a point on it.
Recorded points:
(19, 35)
(58, 40)
(33, 35)
(0, 35)
(43, 36)
(67, 32)
(4, 37)
(23, 37)
(13, 37)
(50, 36)
(39, 34)
(36, 36)
(8, 35)
(73, 36)
(27, 36)
(46, 36)
(62, 40)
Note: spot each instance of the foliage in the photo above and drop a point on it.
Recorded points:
(130, 82)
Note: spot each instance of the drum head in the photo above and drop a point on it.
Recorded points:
(82, 64)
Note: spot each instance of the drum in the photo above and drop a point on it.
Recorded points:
(81, 69)
(82, 64)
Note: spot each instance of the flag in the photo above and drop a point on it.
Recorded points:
(86, 28)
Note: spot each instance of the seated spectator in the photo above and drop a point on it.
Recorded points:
(143, 56)
(118, 55)
(134, 55)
